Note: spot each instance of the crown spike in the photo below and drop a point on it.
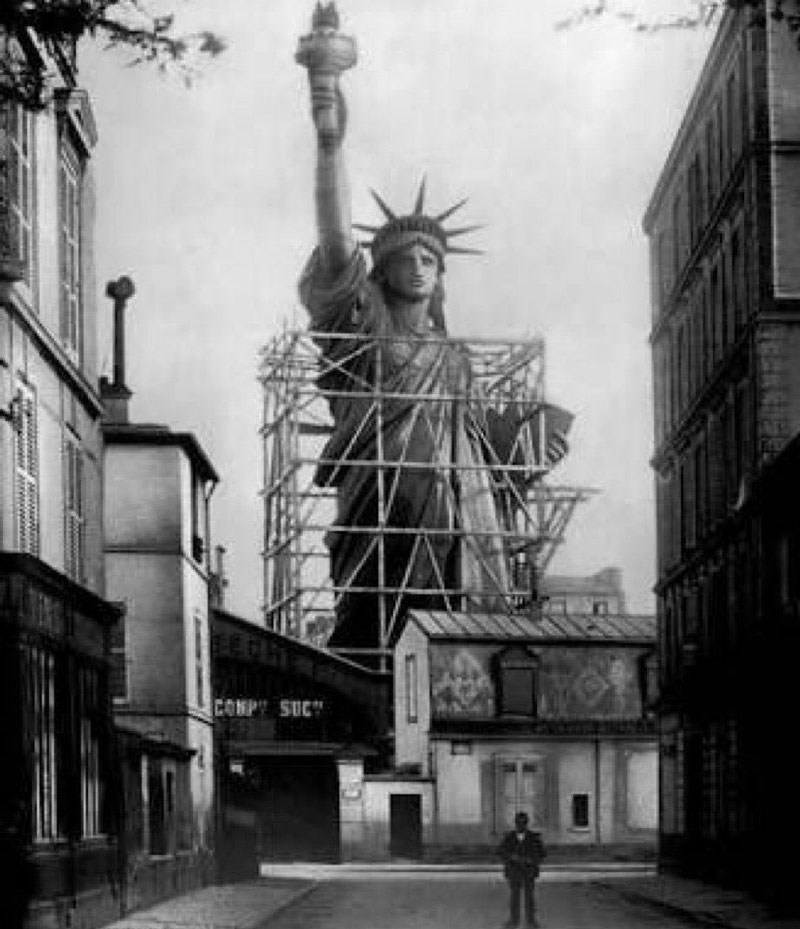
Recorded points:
(448, 213)
(465, 251)
(362, 228)
(384, 208)
(449, 233)
(419, 206)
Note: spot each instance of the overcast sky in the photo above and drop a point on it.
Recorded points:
(557, 137)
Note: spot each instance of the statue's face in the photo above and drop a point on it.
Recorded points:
(412, 273)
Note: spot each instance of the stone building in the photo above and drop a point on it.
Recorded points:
(723, 226)
(295, 727)
(158, 488)
(599, 594)
(496, 713)
(57, 815)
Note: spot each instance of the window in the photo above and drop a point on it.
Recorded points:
(711, 174)
(701, 486)
(156, 807)
(696, 206)
(516, 673)
(412, 709)
(699, 340)
(655, 275)
(708, 331)
(696, 324)
(74, 516)
(27, 471)
(722, 154)
(21, 189)
(784, 564)
(198, 517)
(677, 237)
(600, 608)
(728, 295)
(717, 315)
(738, 295)
(119, 661)
(70, 252)
(664, 267)
(91, 781)
(689, 502)
(580, 811)
(198, 660)
(675, 372)
(681, 373)
(39, 666)
(557, 606)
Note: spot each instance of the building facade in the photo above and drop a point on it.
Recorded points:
(58, 811)
(723, 227)
(599, 594)
(296, 728)
(319, 757)
(496, 714)
(158, 485)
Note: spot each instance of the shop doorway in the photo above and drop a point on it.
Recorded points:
(294, 800)
(405, 825)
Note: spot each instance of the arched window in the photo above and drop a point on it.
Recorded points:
(515, 674)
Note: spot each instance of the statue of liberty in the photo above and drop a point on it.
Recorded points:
(412, 452)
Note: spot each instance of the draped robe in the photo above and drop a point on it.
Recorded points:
(408, 409)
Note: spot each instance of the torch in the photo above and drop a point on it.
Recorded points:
(326, 53)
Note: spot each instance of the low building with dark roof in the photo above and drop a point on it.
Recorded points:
(495, 713)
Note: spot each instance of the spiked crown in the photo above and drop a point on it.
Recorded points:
(417, 227)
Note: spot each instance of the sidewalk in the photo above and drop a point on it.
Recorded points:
(705, 904)
(221, 906)
(353, 870)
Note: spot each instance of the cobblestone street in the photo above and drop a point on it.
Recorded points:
(416, 903)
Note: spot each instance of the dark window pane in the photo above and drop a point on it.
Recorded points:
(518, 691)
(580, 811)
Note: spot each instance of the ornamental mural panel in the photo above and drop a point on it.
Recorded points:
(461, 681)
(573, 683)
(589, 683)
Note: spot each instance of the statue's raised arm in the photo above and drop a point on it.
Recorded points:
(326, 53)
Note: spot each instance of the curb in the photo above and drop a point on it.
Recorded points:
(264, 921)
(624, 870)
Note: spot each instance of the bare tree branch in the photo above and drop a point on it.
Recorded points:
(124, 24)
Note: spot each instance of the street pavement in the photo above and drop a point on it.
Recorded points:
(455, 904)
(400, 896)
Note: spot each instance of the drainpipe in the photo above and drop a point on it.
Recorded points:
(597, 795)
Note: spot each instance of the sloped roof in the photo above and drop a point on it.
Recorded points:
(439, 624)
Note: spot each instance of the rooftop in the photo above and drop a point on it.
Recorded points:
(562, 628)
(157, 434)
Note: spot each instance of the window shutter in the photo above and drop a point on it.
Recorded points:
(74, 518)
(27, 472)
(71, 328)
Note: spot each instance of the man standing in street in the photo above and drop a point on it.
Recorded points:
(521, 851)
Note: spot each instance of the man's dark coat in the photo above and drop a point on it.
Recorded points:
(521, 858)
